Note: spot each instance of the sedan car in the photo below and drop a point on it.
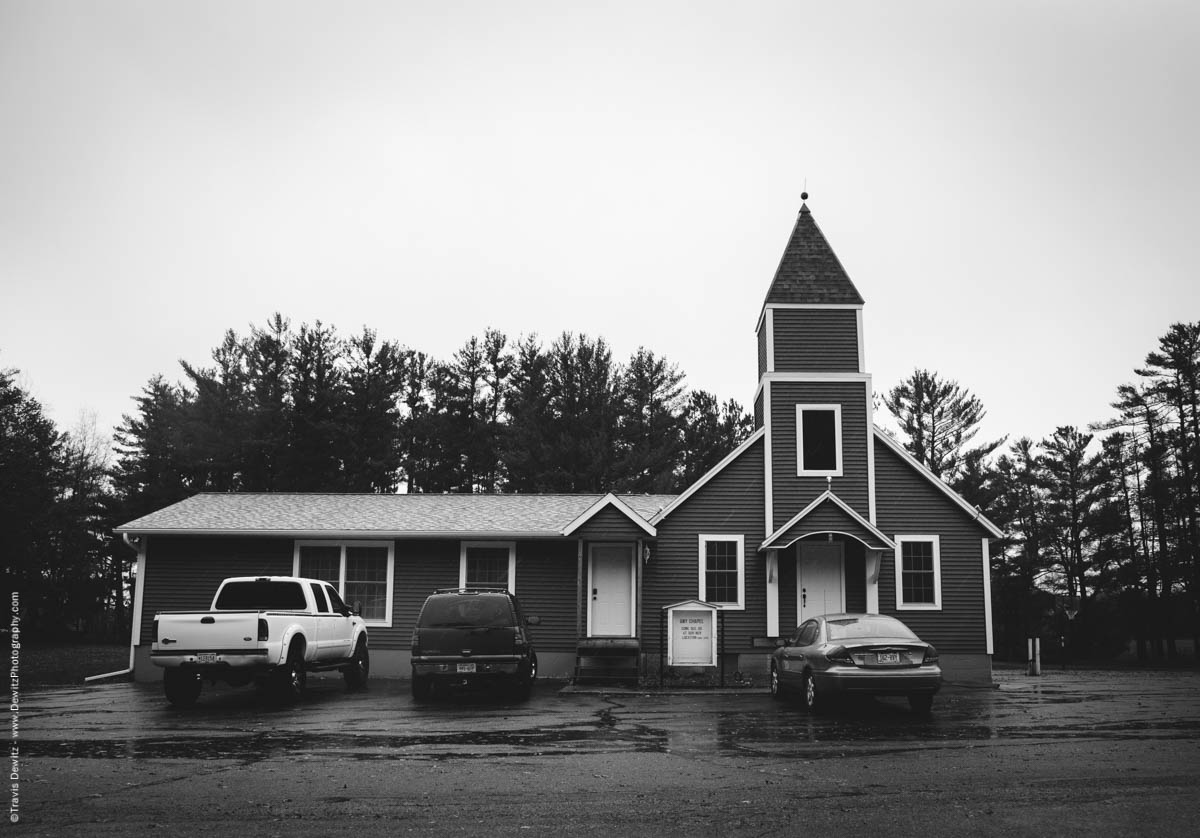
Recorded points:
(855, 654)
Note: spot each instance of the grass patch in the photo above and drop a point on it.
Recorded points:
(70, 663)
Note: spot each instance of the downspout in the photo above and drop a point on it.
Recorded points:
(135, 622)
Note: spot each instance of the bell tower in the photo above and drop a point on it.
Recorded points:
(814, 396)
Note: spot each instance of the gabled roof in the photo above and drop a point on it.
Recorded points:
(382, 516)
(975, 513)
(809, 272)
(828, 513)
(616, 503)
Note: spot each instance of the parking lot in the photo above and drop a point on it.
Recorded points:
(1070, 753)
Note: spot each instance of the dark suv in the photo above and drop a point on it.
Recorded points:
(472, 637)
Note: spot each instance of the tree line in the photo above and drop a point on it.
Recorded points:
(1101, 523)
(305, 409)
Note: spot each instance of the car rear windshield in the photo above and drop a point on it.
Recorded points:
(868, 627)
(262, 595)
(469, 610)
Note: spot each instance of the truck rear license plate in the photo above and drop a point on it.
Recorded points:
(206, 657)
(466, 667)
(888, 657)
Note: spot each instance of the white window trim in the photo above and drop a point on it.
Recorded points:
(511, 546)
(341, 583)
(801, 471)
(936, 605)
(740, 539)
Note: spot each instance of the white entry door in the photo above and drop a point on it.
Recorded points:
(820, 580)
(610, 580)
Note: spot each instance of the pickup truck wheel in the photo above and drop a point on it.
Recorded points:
(292, 677)
(421, 688)
(182, 687)
(356, 672)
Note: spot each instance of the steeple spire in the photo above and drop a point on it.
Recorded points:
(809, 272)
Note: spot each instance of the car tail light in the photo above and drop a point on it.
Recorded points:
(156, 629)
(416, 640)
(839, 655)
(931, 655)
(264, 631)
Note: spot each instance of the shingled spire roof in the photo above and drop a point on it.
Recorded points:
(809, 272)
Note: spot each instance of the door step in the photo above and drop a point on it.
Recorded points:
(613, 662)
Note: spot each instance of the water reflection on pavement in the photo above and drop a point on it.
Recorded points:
(125, 720)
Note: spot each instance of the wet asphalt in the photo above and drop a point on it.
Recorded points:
(1069, 753)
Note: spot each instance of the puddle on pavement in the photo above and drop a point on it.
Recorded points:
(777, 732)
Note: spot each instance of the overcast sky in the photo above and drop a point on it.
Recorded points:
(1012, 186)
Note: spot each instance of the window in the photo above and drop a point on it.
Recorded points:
(319, 597)
(488, 564)
(360, 573)
(918, 572)
(806, 635)
(819, 440)
(261, 595)
(723, 570)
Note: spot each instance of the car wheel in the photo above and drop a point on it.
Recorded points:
(777, 690)
(292, 678)
(813, 702)
(921, 703)
(181, 687)
(355, 674)
(421, 687)
(525, 682)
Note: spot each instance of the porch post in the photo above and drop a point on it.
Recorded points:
(772, 593)
(874, 562)
(579, 590)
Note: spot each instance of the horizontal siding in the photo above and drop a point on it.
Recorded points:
(421, 568)
(816, 340)
(762, 350)
(183, 574)
(907, 504)
(759, 418)
(547, 574)
(793, 493)
(829, 518)
(731, 503)
(609, 525)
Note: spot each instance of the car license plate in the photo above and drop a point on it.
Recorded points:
(206, 657)
(888, 657)
(466, 667)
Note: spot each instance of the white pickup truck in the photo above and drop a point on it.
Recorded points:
(271, 630)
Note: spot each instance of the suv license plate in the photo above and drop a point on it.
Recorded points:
(466, 667)
(888, 657)
(206, 657)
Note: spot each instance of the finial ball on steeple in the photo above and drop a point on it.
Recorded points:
(803, 196)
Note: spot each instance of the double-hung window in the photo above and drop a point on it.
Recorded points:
(488, 564)
(723, 570)
(360, 571)
(819, 440)
(918, 572)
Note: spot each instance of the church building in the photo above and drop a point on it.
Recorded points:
(818, 511)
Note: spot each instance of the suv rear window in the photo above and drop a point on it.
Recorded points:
(466, 610)
(262, 595)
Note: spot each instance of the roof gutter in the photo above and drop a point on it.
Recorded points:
(131, 542)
